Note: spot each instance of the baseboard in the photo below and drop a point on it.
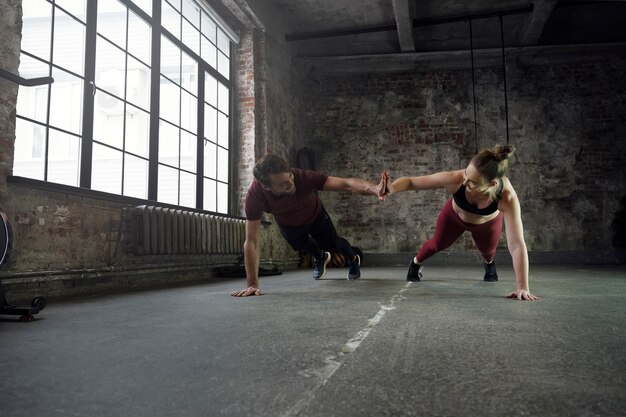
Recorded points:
(612, 257)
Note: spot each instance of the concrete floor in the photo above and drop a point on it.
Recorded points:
(450, 345)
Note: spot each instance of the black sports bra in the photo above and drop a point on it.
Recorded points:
(461, 200)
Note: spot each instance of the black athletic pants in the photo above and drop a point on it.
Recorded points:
(317, 237)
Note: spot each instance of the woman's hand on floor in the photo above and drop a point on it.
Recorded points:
(247, 292)
(522, 295)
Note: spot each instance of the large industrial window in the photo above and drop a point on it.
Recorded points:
(140, 104)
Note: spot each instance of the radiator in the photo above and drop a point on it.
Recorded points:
(165, 231)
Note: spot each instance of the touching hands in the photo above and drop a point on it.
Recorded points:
(522, 295)
(252, 290)
(381, 188)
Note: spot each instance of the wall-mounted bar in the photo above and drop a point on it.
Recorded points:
(30, 82)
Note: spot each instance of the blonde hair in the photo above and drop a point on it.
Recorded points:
(492, 164)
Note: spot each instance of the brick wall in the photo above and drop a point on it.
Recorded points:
(269, 119)
(246, 109)
(566, 121)
(10, 28)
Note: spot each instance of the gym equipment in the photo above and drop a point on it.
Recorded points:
(238, 270)
(506, 100)
(38, 303)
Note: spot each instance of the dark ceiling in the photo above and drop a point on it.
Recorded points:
(363, 27)
(395, 35)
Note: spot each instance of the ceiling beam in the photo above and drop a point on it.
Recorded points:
(460, 60)
(403, 11)
(535, 22)
(303, 36)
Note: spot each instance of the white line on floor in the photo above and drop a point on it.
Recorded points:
(333, 363)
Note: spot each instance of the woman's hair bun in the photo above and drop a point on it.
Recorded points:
(502, 152)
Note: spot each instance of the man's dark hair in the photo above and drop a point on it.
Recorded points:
(269, 164)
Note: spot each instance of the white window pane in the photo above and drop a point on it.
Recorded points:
(210, 160)
(110, 67)
(222, 98)
(36, 28)
(174, 3)
(170, 101)
(222, 130)
(191, 37)
(191, 11)
(168, 185)
(135, 177)
(170, 19)
(138, 84)
(66, 102)
(210, 123)
(137, 131)
(222, 198)
(32, 68)
(170, 60)
(108, 120)
(112, 21)
(32, 102)
(189, 111)
(30, 149)
(209, 28)
(188, 151)
(74, 7)
(222, 164)
(223, 65)
(69, 43)
(223, 42)
(210, 90)
(189, 71)
(187, 189)
(139, 38)
(106, 169)
(63, 163)
(210, 195)
(208, 52)
(169, 141)
(145, 5)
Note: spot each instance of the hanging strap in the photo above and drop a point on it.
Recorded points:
(506, 105)
(473, 85)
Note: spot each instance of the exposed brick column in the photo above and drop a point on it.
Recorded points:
(260, 89)
(246, 112)
(11, 34)
(252, 107)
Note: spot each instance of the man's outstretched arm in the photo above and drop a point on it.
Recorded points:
(354, 185)
(251, 259)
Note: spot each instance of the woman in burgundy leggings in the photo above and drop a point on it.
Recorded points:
(481, 197)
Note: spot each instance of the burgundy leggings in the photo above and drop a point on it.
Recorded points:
(450, 227)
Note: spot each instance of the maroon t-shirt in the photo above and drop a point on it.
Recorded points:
(296, 209)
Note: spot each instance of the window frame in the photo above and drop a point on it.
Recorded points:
(86, 136)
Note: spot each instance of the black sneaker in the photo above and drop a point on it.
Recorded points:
(319, 266)
(415, 272)
(490, 271)
(354, 269)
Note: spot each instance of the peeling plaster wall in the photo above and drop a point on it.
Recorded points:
(566, 121)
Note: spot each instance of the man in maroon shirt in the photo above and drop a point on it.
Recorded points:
(290, 194)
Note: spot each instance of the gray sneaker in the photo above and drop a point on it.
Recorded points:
(319, 266)
(354, 271)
